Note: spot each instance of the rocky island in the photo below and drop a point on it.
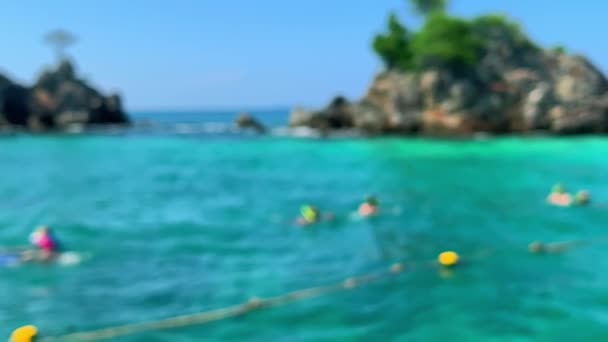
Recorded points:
(58, 100)
(458, 76)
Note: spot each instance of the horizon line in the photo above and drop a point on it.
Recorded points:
(203, 109)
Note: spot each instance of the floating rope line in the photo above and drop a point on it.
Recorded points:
(251, 305)
(538, 247)
(255, 303)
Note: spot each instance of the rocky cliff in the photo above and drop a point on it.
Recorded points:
(514, 88)
(58, 100)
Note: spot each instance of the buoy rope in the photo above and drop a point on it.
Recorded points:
(254, 304)
(563, 246)
(251, 305)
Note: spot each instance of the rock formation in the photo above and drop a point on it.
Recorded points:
(246, 121)
(58, 100)
(513, 88)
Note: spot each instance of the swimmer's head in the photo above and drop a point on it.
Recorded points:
(371, 200)
(582, 197)
(43, 229)
(559, 189)
(309, 213)
(536, 247)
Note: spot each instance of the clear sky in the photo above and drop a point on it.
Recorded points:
(193, 54)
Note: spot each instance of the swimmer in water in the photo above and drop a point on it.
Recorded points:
(308, 215)
(369, 207)
(47, 245)
(559, 197)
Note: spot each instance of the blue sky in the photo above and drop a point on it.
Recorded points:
(192, 54)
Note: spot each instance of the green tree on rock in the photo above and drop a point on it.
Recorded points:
(450, 42)
(60, 40)
(496, 27)
(559, 49)
(445, 41)
(393, 47)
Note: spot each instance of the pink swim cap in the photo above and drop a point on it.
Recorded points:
(46, 243)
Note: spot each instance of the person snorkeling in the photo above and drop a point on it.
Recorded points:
(369, 207)
(559, 196)
(46, 243)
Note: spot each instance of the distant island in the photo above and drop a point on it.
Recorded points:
(458, 76)
(58, 100)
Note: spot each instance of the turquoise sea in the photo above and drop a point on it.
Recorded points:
(181, 223)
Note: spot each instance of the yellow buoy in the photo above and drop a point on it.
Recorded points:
(24, 334)
(448, 258)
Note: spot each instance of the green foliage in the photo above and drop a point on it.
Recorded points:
(494, 27)
(445, 41)
(426, 7)
(559, 49)
(60, 40)
(394, 46)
